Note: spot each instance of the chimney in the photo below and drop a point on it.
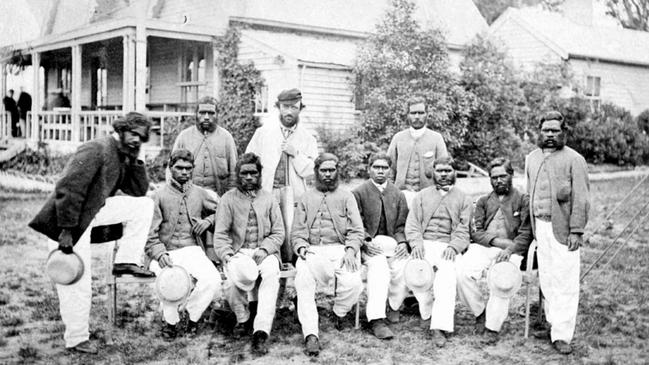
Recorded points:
(579, 11)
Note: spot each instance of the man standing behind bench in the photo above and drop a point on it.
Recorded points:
(183, 212)
(104, 183)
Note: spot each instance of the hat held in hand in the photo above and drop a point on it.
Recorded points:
(418, 275)
(173, 284)
(504, 279)
(242, 270)
(64, 269)
(387, 244)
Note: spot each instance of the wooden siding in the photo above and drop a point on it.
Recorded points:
(624, 85)
(522, 47)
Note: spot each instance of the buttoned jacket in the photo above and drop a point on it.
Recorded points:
(429, 146)
(369, 199)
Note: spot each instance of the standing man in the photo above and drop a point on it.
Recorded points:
(182, 213)
(437, 230)
(215, 153)
(248, 222)
(501, 232)
(327, 224)
(413, 149)
(87, 196)
(383, 209)
(24, 106)
(12, 109)
(557, 181)
(287, 151)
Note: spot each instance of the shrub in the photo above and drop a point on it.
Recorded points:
(643, 121)
(38, 162)
(352, 152)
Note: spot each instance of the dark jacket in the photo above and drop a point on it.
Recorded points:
(95, 172)
(515, 210)
(368, 197)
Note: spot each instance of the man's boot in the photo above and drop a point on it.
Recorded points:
(169, 331)
(259, 344)
(381, 330)
(311, 345)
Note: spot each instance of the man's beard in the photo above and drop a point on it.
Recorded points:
(290, 123)
(557, 143)
(245, 187)
(502, 189)
(131, 152)
(326, 186)
(207, 127)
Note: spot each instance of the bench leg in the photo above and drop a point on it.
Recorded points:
(357, 323)
(112, 303)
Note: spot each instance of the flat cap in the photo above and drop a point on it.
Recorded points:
(289, 95)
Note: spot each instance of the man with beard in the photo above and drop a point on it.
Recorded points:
(182, 213)
(327, 224)
(557, 181)
(103, 184)
(248, 222)
(501, 232)
(414, 149)
(384, 210)
(437, 230)
(215, 153)
(287, 150)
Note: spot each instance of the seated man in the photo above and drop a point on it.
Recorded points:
(326, 223)
(383, 209)
(437, 230)
(501, 232)
(249, 222)
(175, 239)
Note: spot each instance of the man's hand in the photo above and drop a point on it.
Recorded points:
(504, 255)
(259, 255)
(164, 261)
(66, 243)
(226, 258)
(301, 252)
(349, 260)
(401, 252)
(449, 254)
(417, 251)
(289, 149)
(575, 241)
(372, 249)
(201, 226)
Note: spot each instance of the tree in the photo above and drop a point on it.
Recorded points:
(492, 9)
(632, 14)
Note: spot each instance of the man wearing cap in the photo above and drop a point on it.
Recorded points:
(215, 153)
(501, 231)
(437, 229)
(414, 149)
(557, 181)
(287, 150)
(104, 183)
(327, 224)
(383, 209)
(249, 223)
(182, 213)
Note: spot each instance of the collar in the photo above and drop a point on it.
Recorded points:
(252, 194)
(178, 187)
(444, 189)
(286, 132)
(416, 133)
(381, 187)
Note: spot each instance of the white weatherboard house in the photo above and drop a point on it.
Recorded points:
(612, 64)
(112, 56)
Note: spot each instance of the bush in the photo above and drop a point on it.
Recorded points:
(643, 121)
(352, 152)
(37, 162)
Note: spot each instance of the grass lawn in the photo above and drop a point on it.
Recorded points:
(613, 321)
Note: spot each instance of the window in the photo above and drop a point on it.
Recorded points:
(193, 72)
(261, 100)
(592, 91)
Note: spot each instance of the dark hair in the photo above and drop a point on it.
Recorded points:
(501, 161)
(248, 158)
(326, 156)
(416, 99)
(207, 100)
(302, 105)
(552, 115)
(444, 160)
(379, 156)
(181, 154)
(132, 121)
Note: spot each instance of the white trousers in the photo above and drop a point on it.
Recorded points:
(473, 266)
(265, 292)
(74, 300)
(442, 309)
(559, 280)
(347, 288)
(385, 282)
(208, 283)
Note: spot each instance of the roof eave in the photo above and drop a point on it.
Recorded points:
(618, 61)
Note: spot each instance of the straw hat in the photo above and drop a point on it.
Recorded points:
(321, 268)
(387, 244)
(419, 275)
(64, 269)
(504, 279)
(242, 270)
(173, 284)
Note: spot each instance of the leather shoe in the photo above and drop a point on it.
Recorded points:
(192, 328)
(392, 315)
(480, 323)
(490, 337)
(169, 331)
(342, 323)
(259, 344)
(311, 345)
(438, 337)
(132, 269)
(562, 347)
(85, 347)
(242, 329)
(381, 330)
(543, 334)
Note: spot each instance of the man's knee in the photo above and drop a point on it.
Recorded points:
(269, 267)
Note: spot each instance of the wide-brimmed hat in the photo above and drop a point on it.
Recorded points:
(419, 275)
(242, 271)
(173, 284)
(504, 279)
(64, 269)
(321, 268)
(387, 244)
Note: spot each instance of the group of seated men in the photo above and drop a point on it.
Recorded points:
(235, 218)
